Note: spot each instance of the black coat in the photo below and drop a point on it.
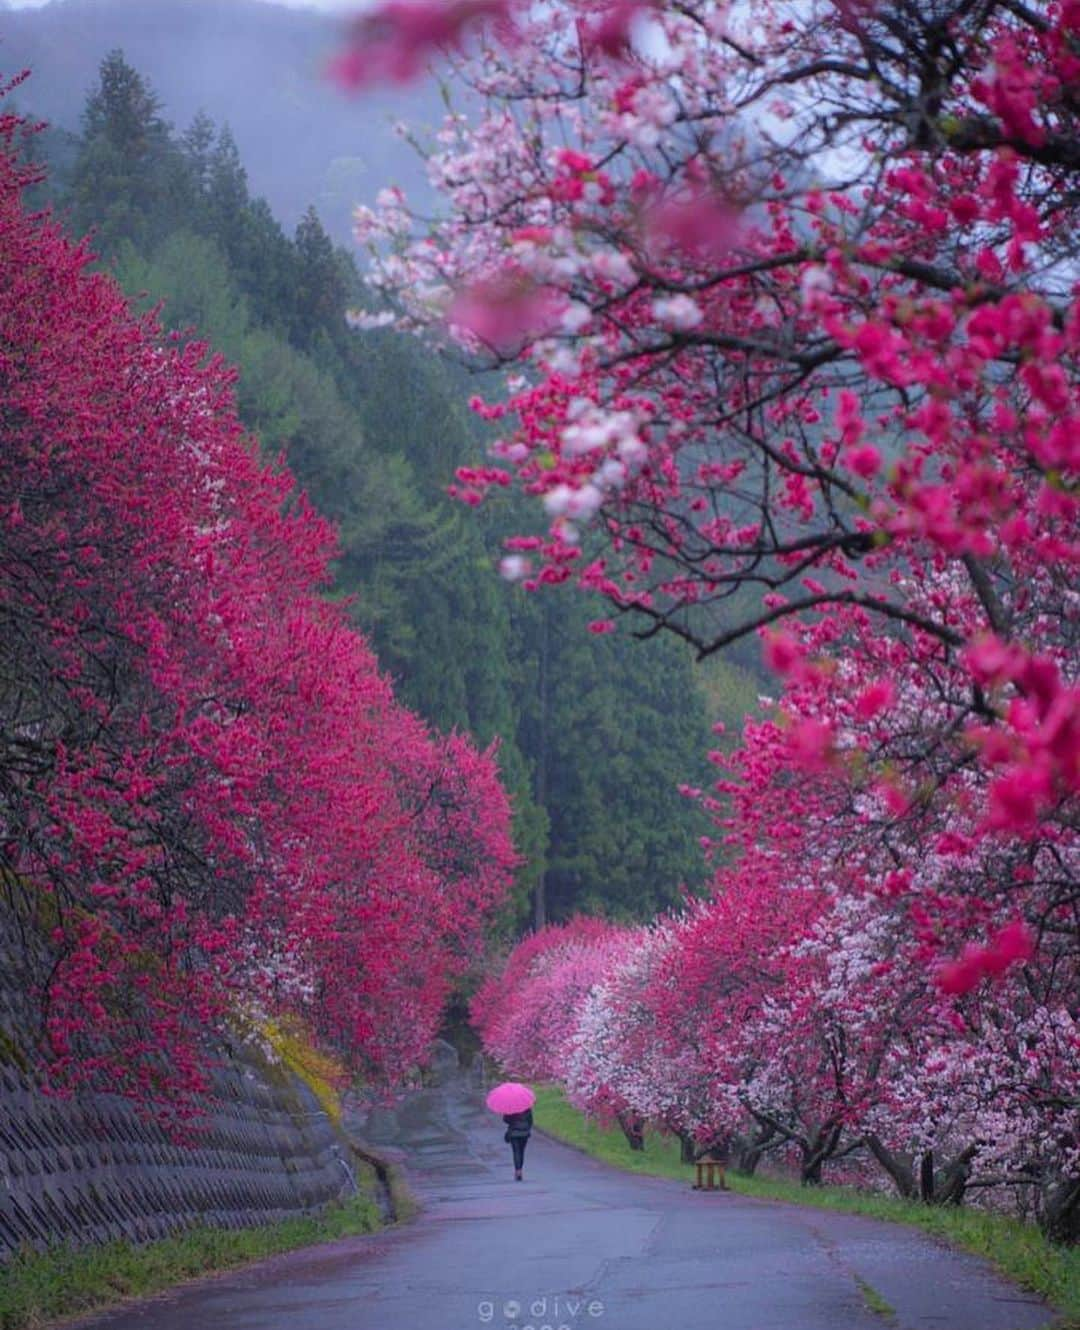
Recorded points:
(518, 1124)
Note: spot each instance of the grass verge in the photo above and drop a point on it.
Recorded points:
(1018, 1250)
(38, 1288)
(874, 1301)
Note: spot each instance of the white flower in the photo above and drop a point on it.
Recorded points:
(514, 567)
(363, 321)
(680, 312)
(613, 265)
(814, 283)
(583, 438)
(632, 450)
(654, 104)
(612, 473)
(575, 316)
(585, 501)
(561, 360)
(557, 500)
(365, 223)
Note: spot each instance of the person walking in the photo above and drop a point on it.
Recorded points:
(518, 1130)
(515, 1102)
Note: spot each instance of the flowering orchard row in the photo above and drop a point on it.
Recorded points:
(209, 798)
(787, 297)
(884, 974)
(802, 1016)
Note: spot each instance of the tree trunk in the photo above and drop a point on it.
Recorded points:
(748, 1150)
(633, 1129)
(947, 1185)
(687, 1148)
(926, 1176)
(1059, 1210)
(816, 1151)
(897, 1166)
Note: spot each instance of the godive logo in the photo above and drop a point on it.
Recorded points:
(557, 1312)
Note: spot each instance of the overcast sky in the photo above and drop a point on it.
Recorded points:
(329, 6)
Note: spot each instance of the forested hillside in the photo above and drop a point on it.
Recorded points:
(596, 731)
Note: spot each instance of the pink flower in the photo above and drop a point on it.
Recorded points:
(880, 351)
(701, 225)
(865, 460)
(782, 653)
(1011, 945)
(961, 976)
(878, 697)
(610, 33)
(505, 310)
(1016, 798)
(811, 743)
(395, 40)
(994, 662)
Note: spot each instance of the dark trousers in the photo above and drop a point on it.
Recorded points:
(518, 1144)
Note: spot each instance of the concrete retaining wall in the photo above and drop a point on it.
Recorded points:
(91, 1169)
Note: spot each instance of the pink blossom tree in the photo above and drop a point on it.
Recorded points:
(210, 799)
(527, 1014)
(795, 323)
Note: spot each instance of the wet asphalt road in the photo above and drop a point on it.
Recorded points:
(578, 1246)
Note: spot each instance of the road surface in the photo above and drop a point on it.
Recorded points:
(579, 1246)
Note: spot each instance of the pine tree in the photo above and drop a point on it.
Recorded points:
(321, 293)
(128, 182)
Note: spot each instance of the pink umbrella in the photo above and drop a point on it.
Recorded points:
(510, 1097)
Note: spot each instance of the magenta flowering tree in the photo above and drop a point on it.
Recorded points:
(211, 804)
(894, 820)
(789, 321)
(527, 1013)
(646, 1057)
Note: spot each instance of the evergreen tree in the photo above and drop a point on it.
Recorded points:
(129, 182)
(226, 187)
(321, 293)
(613, 727)
(197, 145)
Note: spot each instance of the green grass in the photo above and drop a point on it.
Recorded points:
(1018, 1250)
(37, 1288)
(874, 1301)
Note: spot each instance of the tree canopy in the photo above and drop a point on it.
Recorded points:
(212, 805)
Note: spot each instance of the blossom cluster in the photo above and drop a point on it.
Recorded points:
(211, 800)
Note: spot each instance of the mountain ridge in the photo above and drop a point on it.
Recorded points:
(251, 64)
